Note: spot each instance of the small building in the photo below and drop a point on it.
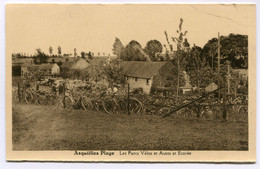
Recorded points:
(146, 75)
(211, 87)
(48, 68)
(75, 64)
(19, 65)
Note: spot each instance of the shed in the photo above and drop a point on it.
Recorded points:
(211, 87)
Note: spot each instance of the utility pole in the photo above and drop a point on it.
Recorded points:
(218, 65)
(128, 99)
(178, 78)
(228, 78)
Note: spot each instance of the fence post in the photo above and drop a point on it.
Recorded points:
(19, 98)
(224, 101)
(64, 91)
(128, 99)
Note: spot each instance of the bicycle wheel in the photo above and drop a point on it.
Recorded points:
(86, 103)
(135, 106)
(243, 113)
(109, 105)
(67, 102)
(28, 97)
(38, 99)
(122, 105)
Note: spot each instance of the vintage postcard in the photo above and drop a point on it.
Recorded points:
(131, 83)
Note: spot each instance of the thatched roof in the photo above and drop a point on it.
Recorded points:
(45, 66)
(77, 63)
(141, 69)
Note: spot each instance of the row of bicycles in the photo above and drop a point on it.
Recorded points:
(78, 99)
(135, 104)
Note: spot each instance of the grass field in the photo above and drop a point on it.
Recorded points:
(50, 128)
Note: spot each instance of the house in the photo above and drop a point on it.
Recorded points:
(75, 64)
(146, 75)
(74, 67)
(100, 60)
(48, 68)
(51, 69)
(19, 65)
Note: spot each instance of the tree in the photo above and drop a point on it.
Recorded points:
(59, 50)
(41, 57)
(90, 56)
(75, 52)
(181, 53)
(134, 52)
(198, 68)
(118, 47)
(83, 55)
(234, 48)
(50, 50)
(114, 73)
(153, 48)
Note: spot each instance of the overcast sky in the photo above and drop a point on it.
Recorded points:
(95, 27)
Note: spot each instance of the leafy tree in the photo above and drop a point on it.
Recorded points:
(153, 48)
(198, 68)
(114, 73)
(59, 63)
(50, 50)
(41, 57)
(118, 47)
(83, 55)
(182, 44)
(234, 48)
(95, 72)
(90, 56)
(59, 50)
(75, 52)
(134, 52)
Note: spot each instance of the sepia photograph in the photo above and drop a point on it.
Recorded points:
(140, 82)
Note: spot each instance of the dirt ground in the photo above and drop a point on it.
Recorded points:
(51, 128)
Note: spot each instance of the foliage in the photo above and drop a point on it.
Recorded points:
(118, 47)
(134, 52)
(75, 52)
(197, 68)
(41, 57)
(95, 72)
(83, 54)
(59, 50)
(180, 56)
(114, 73)
(153, 48)
(234, 48)
(90, 55)
(50, 50)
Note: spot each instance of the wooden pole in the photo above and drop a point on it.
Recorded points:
(228, 79)
(19, 97)
(178, 82)
(128, 99)
(64, 88)
(218, 65)
(224, 101)
(191, 102)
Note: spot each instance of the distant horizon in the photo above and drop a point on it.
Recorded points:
(95, 27)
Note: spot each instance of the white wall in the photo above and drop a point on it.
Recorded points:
(55, 69)
(140, 83)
